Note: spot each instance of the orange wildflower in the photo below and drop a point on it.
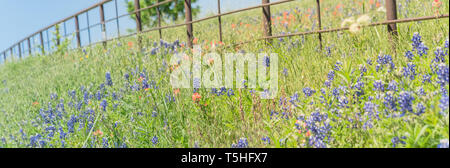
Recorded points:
(308, 133)
(196, 97)
(195, 40)
(35, 103)
(130, 44)
(98, 133)
(176, 92)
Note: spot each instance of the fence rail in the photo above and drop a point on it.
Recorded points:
(391, 13)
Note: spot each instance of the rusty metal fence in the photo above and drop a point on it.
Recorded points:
(39, 42)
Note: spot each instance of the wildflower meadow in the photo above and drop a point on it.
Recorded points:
(358, 91)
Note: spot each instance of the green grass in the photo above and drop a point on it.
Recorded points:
(224, 120)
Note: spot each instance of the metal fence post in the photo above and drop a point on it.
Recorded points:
(137, 7)
(391, 13)
(29, 46)
(117, 19)
(4, 57)
(103, 26)
(267, 21)
(188, 14)
(12, 53)
(20, 49)
(58, 36)
(42, 43)
(220, 21)
(77, 32)
(320, 22)
(159, 21)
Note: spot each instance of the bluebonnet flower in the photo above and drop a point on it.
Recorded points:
(105, 142)
(426, 78)
(359, 85)
(266, 61)
(230, 92)
(409, 55)
(335, 92)
(328, 51)
(294, 98)
(53, 96)
(331, 75)
(308, 91)
(108, 79)
(421, 91)
(378, 68)
(420, 108)
(62, 135)
(98, 95)
(444, 103)
(439, 55)
(196, 83)
(369, 61)
(266, 140)
(443, 144)
(343, 102)
(155, 140)
(443, 74)
(396, 141)
(153, 51)
(24, 136)
(410, 71)
(285, 71)
(362, 69)
(390, 102)
(392, 86)
(405, 101)
(338, 66)
(51, 131)
(446, 43)
(327, 83)
(103, 104)
(418, 45)
(126, 76)
(242, 143)
(71, 123)
(378, 85)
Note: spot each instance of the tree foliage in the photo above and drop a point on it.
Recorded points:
(169, 12)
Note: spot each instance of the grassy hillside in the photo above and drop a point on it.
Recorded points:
(356, 92)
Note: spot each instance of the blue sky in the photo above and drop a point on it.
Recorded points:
(20, 18)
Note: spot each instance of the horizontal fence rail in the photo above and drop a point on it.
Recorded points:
(29, 44)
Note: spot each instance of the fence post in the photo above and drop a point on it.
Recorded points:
(29, 46)
(117, 19)
(391, 13)
(4, 57)
(188, 13)
(267, 21)
(58, 36)
(12, 54)
(220, 21)
(137, 7)
(320, 22)
(20, 49)
(77, 31)
(102, 22)
(42, 43)
(159, 21)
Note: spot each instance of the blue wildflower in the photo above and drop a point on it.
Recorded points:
(242, 143)
(108, 79)
(405, 101)
(155, 140)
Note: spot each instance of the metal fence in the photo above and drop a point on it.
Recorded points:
(40, 42)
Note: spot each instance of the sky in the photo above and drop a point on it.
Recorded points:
(20, 18)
